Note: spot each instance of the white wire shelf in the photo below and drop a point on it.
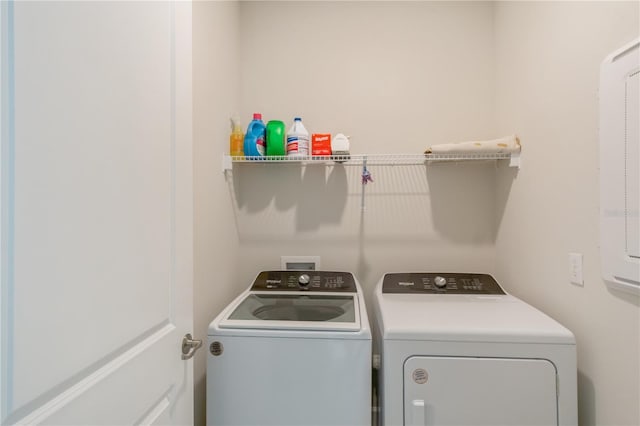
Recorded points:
(364, 160)
(370, 159)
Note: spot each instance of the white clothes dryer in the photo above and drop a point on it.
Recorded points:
(457, 350)
(293, 349)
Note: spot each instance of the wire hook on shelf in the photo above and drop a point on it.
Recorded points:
(366, 178)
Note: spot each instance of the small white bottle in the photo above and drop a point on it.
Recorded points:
(297, 140)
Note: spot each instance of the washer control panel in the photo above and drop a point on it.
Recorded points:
(305, 281)
(440, 283)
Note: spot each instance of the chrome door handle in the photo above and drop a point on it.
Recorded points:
(189, 346)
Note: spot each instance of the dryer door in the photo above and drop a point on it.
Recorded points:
(479, 391)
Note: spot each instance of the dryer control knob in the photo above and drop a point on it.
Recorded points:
(304, 280)
(440, 282)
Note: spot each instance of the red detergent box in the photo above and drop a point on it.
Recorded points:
(321, 144)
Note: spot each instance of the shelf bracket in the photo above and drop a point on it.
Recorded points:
(227, 164)
(514, 160)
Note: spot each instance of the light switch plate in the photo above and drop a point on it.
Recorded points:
(575, 269)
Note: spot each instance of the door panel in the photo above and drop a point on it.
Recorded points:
(632, 164)
(479, 391)
(96, 212)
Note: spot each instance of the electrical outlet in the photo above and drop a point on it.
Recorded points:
(575, 269)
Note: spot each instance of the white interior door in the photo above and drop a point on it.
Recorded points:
(96, 213)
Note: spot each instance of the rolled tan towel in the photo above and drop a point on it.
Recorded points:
(505, 145)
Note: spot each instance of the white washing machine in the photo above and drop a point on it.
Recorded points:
(293, 349)
(457, 350)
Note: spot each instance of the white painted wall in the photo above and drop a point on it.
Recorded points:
(215, 98)
(548, 56)
(395, 77)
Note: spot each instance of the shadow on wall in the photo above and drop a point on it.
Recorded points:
(200, 399)
(631, 298)
(504, 180)
(586, 400)
(323, 199)
(271, 192)
(468, 199)
(452, 202)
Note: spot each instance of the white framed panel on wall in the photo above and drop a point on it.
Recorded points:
(620, 168)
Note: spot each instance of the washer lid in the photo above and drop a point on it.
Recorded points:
(295, 311)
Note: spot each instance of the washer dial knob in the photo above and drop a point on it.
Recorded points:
(440, 282)
(303, 280)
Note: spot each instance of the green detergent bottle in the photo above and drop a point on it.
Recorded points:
(276, 144)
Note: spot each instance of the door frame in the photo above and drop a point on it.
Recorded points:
(7, 145)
